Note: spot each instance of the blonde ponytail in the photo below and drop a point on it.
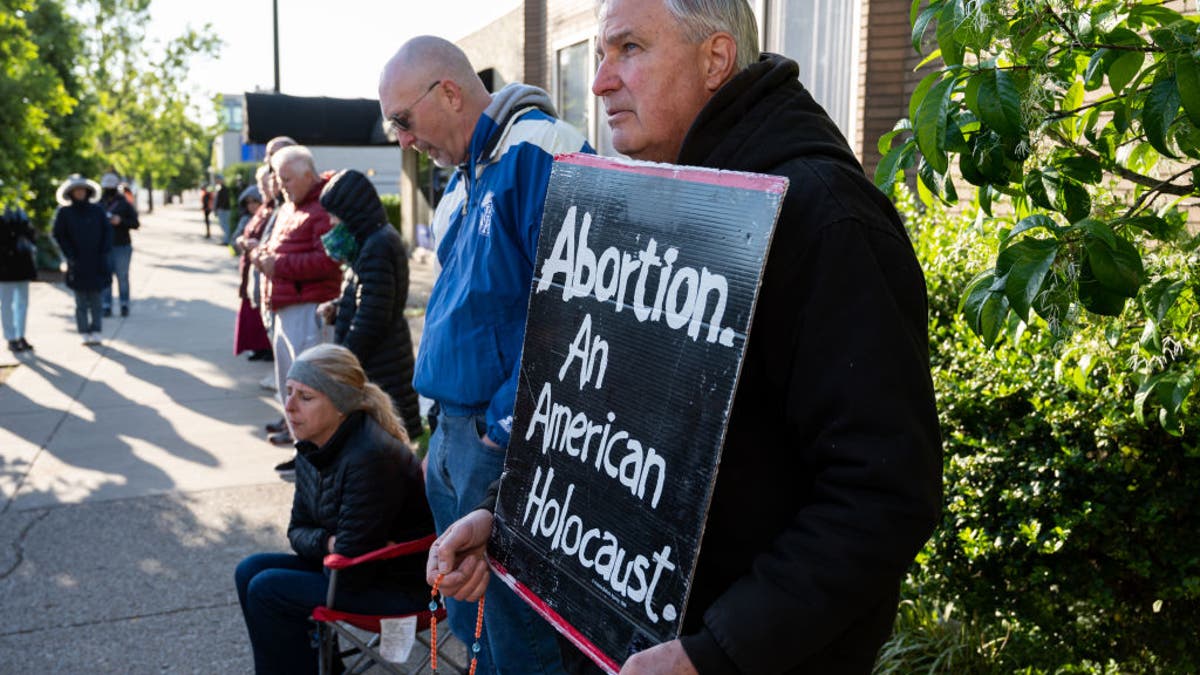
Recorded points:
(379, 406)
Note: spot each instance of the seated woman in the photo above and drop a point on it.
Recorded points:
(358, 488)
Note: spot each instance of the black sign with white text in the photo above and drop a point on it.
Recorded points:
(643, 291)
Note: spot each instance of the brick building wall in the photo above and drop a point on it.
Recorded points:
(888, 77)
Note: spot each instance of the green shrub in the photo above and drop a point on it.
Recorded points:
(238, 177)
(391, 204)
(1072, 482)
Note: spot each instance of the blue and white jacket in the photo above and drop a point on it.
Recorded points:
(487, 227)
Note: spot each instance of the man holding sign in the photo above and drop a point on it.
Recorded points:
(486, 225)
(830, 476)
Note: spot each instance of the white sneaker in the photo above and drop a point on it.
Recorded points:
(87, 338)
(268, 382)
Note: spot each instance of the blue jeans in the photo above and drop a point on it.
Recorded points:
(515, 640)
(118, 262)
(278, 592)
(87, 311)
(14, 306)
(223, 221)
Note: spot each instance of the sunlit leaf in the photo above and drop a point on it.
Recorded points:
(1162, 104)
(931, 124)
(948, 21)
(1000, 103)
(1117, 267)
(1024, 266)
(1123, 69)
(1187, 78)
(1033, 222)
(984, 309)
(1159, 297)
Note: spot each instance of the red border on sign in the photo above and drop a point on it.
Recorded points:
(592, 651)
(735, 179)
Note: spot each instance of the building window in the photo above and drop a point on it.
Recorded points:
(823, 37)
(573, 74)
(233, 116)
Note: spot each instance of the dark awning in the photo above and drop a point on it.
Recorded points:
(315, 120)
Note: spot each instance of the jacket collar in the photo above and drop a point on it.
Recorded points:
(507, 106)
(739, 127)
(314, 193)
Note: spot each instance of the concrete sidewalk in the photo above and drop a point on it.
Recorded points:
(134, 475)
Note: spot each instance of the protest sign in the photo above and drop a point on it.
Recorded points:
(643, 291)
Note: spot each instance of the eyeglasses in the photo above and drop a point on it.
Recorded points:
(401, 119)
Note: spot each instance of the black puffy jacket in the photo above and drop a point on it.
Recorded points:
(370, 315)
(85, 236)
(15, 265)
(366, 488)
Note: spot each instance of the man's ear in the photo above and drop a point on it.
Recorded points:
(453, 94)
(720, 53)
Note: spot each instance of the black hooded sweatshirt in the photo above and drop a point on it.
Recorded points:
(370, 314)
(830, 476)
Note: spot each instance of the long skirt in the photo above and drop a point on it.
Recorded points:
(249, 334)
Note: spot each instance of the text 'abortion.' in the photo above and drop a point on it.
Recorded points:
(607, 278)
(681, 297)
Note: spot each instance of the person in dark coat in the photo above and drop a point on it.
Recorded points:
(18, 266)
(830, 475)
(206, 205)
(358, 488)
(85, 235)
(370, 314)
(220, 208)
(124, 218)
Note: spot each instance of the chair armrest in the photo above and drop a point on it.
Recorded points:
(337, 561)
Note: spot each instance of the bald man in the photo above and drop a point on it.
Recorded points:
(486, 227)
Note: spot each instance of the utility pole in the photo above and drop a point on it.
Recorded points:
(275, 8)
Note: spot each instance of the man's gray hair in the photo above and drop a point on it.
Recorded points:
(701, 18)
(294, 153)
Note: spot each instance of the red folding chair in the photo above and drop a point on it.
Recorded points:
(332, 624)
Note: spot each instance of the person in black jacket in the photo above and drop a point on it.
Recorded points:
(830, 476)
(370, 315)
(358, 488)
(85, 235)
(124, 218)
(220, 208)
(18, 267)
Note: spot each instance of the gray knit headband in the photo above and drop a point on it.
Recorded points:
(344, 397)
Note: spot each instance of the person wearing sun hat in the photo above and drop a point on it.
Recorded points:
(85, 236)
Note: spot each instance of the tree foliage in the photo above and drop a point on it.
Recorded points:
(1068, 533)
(146, 127)
(83, 94)
(1077, 125)
(33, 96)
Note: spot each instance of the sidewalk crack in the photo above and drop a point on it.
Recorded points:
(19, 544)
(118, 619)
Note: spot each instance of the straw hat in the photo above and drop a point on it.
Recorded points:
(75, 181)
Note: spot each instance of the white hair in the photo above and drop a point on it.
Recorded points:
(293, 153)
(698, 19)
